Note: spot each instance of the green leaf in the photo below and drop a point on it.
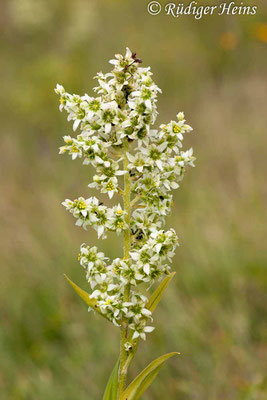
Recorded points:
(86, 297)
(156, 296)
(146, 382)
(111, 392)
(145, 378)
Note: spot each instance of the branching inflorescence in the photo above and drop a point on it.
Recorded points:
(142, 166)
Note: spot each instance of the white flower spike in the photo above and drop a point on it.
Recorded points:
(116, 138)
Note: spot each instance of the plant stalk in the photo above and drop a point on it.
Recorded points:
(127, 243)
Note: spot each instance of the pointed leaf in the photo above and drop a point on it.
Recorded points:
(156, 296)
(145, 378)
(86, 297)
(146, 382)
(111, 392)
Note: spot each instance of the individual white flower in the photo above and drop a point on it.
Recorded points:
(94, 107)
(153, 154)
(94, 263)
(109, 115)
(136, 308)
(121, 62)
(126, 271)
(72, 147)
(140, 330)
(117, 221)
(144, 258)
(137, 161)
(106, 179)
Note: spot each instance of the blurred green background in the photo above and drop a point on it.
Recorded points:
(214, 312)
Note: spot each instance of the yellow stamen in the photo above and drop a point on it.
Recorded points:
(176, 129)
(81, 205)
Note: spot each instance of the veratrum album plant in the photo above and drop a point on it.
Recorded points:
(139, 166)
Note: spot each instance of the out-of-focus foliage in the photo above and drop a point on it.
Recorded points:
(215, 70)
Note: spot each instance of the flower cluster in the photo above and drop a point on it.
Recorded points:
(90, 212)
(107, 282)
(116, 138)
(150, 259)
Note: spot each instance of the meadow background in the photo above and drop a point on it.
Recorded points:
(214, 312)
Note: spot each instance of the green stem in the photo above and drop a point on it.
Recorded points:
(127, 243)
